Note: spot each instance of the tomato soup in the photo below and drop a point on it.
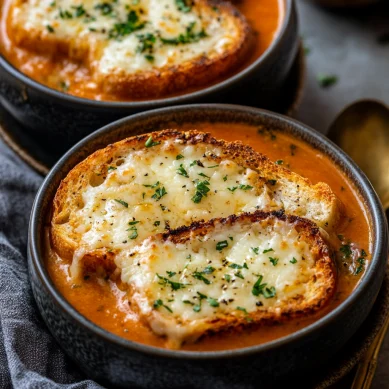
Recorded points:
(105, 304)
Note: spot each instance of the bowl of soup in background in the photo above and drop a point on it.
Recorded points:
(63, 118)
(245, 359)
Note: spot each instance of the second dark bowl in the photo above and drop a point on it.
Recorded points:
(117, 362)
(62, 119)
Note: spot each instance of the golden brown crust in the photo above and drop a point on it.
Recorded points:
(158, 82)
(94, 168)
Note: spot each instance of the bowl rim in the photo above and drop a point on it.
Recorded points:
(373, 207)
(289, 9)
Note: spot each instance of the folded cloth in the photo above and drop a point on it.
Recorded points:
(29, 355)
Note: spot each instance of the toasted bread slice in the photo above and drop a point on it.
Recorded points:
(142, 49)
(229, 273)
(151, 183)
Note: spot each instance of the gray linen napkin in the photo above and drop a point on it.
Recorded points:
(29, 356)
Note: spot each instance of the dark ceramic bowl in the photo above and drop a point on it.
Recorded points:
(115, 361)
(63, 119)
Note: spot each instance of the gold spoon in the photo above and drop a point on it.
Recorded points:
(362, 131)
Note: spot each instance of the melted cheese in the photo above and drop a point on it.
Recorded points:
(184, 289)
(148, 191)
(96, 31)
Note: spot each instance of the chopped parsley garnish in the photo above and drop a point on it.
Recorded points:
(204, 175)
(201, 191)
(279, 162)
(236, 266)
(244, 310)
(227, 277)
(345, 249)
(110, 168)
(149, 57)
(212, 167)
(171, 273)
(225, 178)
(133, 223)
(122, 202)
(174, 285)
(258, 287)
(65, 14)
(159, 303)
(159, 193)
(233, 189)
(255, 249)
(221, 245)
(361, 261)
(267, 251)
(293, 260)
(182, 172)
(134, 233)
(208, 270)
(179, 156)
(196, 162)
(199, 276)
(184, 5)
(326, 80)
(245, 187)
(187, 302)
(105, 8)
(157, 223)
(269, 293)
(151, 143)
(50, 28)
(189, 37)
(64, 86)
(272, 182)
(212, 302)
(152, 186)
(274, 261)
(120, 30)
(239, 275)
(146, 42)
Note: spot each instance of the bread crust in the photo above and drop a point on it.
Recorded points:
(68, 197)
(159, 81)
(323, 282)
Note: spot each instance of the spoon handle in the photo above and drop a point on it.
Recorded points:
(367, 367)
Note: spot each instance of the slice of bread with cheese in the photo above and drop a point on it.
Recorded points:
(151, 183)
(140, 49)
(227, 274)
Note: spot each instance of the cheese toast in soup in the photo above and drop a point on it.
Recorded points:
(132, 50)
(179, 239)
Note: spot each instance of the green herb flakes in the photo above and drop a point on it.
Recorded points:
(326, 80)
(174, 285)
(122, 202)
(274, 261)
(182, 172)
(201, 191)
(159, 193)
(151, 143)
(221, 245)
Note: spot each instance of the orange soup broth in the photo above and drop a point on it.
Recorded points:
(265, 17)
(106, 305)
